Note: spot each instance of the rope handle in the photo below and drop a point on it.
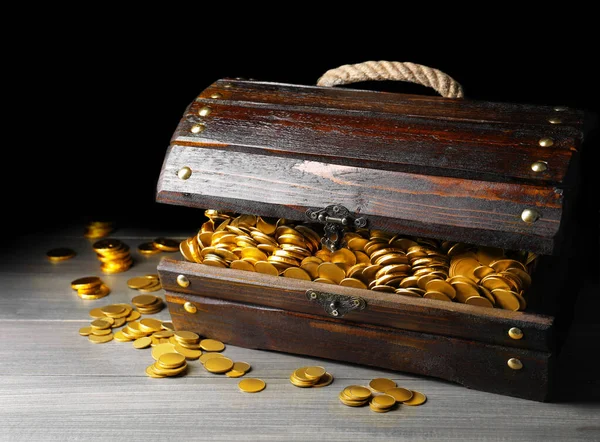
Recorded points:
(443, 84)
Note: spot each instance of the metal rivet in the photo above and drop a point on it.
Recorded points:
(555, 120)
(184, 173)
(197, 128)
(561, 108)
(335, 313)
(515, 333)
(530, 216)
(539, 166)
(189, 307)
(216, 95)
(205, 111)
(183, 281)
(546, 142)
(515, 364)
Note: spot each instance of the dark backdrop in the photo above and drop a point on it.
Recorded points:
(104, 99)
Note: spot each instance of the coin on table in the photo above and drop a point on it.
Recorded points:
(166, 244)
(416, 399)
(313, 373)
(139, 282)
(382, 384)
(208, 356)
(212, 345)
(60, 254)
(86, 283)
(161, 349)
(252, 385)
(357, 392)
(324, 381)
(148, 248)
(383, 401)
(219, 365)
(85, 331)
(100, 339)
(142, 342)
(400, 394)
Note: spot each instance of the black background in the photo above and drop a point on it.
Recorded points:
(99, 99)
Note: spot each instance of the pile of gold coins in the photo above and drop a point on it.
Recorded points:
(148, 304)
(307, 377)
(90, 287)
(167, 365)
(105, 319)
(60, 254)
(98, 229)
(145, 284)
(357, 396)
(113, 254)
(158, 245)
(371, 259)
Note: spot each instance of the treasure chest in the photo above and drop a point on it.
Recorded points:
(415, 233)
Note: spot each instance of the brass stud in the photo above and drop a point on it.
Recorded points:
(216, 95)
(561, 108)
(555, 120)
(515, 364)
(189, 307)
(515, 333)
(205, 111)
(197, 128)
(530, 216)
(546, 142)
(539, 166)
(184, 173)
(183, 281)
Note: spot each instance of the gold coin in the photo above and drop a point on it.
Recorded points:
(314, 373)
(86, 283)
(301, 376)
(101, 332)
(505, 264)
(118, 322)
(437, 295)
(219, 365)
(331, 271)
(506, 299)
(119, 336)
(370, 272)
(482, 271)
(238, 264)
(265, 227)
(311, 268)
(150, 372)
(168, 326)
(139, 282)
(85, 331)
(297, 273)
(383, 401)
(378, 410)
(350, 403)
(495, 281)
(344, 256)
(479, 301)
(356, 392)
(234, 374)
(325, 380)
(111, 310)
(163, 334)
(100, 339)
(357, 243)
(400, 394)
(212, 345)
(186, 335)
(383, 288)
(97, 313)
(142, 342)
(148, 248)
(100, 324)
(298, 383)
(407, 292)
(133, 316)
(161, 349)
(382, 384)
(166, 244)
(252, 385)
(157, 369)
(208, 356)
(266, 268)
(171, 360)
(523, 276)
(144, 300)
(417, 399)
(187, 352)
(464, 291)
(241, 366)
(60, 254)
(153, 287)
(522, 302)
(324, 281)
(439, 285)
(150, 324)
(353, 282)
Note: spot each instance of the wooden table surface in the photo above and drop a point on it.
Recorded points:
(56, 385)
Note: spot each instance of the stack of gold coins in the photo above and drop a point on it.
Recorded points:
(187, 341)
(167, 365)
(118, 312)
(371, 259)
(148, 304)
(145, 284)
(90, 287)
(306, 377)
(98, 229)
(238, 370)
(114, 255)
(60, 254)
(355, 396)
(105, 319)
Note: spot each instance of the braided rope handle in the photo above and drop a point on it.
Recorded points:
(443, 84)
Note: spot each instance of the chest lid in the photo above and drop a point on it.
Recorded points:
(486, 173)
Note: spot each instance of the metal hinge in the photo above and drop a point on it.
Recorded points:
(336, 219)
(336, 305)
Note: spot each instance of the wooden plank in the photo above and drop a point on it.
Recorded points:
(469, 363)
(414, 314)
(447, 208)
(404, 144)
(355, 100)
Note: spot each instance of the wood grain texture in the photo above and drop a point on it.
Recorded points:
(56, 386)
(454, 209)
(469, 363)
(385, 309)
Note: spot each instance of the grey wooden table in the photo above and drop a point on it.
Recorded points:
(55, 385)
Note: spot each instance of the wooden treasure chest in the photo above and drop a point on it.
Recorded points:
(418, 233)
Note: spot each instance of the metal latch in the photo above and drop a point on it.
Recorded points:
(336, 305)
(336, 218)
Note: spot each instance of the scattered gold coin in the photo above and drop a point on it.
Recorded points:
(148, 304)
(98, 229)
(417, 399)
(357, 395)
(166, 244)
(113, 254)
(148, 249)
(90, 287)
(252, 385)
(60, 254)
(381, 384)
(307, 377)
(167, 364)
